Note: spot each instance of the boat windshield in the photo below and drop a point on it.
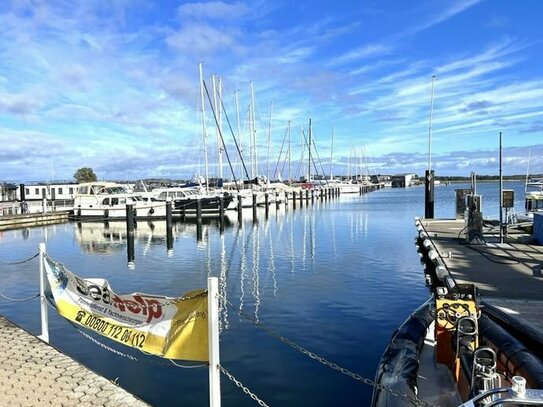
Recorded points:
(113, 190)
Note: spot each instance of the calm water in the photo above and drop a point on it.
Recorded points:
(337, 279)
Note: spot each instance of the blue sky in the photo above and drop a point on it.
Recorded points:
(113, 85)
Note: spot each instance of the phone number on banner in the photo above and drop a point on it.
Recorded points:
(119, 333)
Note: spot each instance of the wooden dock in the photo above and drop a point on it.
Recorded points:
(508, 275)
(32, 219)
(33, 373)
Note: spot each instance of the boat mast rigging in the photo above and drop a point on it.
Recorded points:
(204, 131)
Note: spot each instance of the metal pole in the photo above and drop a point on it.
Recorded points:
(204, 131)
(213, 342)
(43, 305)
(430, 126)
(501, 192)
(429, 175)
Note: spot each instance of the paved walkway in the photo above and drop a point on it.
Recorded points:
(507, 274)
(33, 373)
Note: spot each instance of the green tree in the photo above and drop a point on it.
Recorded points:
(84, 174)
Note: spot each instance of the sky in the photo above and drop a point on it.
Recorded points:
(114, 85)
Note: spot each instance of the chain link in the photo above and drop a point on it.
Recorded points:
(126, 355)
(15, 263)
(5, 297)
(242, 387)
(326, 362)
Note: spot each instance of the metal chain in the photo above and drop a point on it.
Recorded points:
(5, 297)
(125, 355)
(140, 306)
(242, 387)
(15, 263)
(326, 362)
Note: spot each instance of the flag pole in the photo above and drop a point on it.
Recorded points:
(213, 341)
(43, 304)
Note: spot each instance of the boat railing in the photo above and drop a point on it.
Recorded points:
(518, 394)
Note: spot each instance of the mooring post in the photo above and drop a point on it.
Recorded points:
(43, 304)
(254, 207)
(213, 342)
(169, 227)
(221, 214)
(240, 208)
(301, 198)
(267, 203)
(199, 209)
(168, 212)
(277, 200)
(129, 219)
(429, 194)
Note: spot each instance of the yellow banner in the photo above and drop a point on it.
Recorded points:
(174, 328)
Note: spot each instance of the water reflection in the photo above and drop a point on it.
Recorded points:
(308, 273)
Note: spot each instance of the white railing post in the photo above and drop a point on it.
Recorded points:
(213, 340)
(43, 304)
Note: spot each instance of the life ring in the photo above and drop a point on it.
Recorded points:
(106, 213)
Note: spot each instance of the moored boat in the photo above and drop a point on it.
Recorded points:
(457, 350)
(109, 200)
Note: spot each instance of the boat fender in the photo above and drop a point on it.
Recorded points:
(79, 213)
(106, 213)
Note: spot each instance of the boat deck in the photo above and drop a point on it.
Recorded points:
(509, 275)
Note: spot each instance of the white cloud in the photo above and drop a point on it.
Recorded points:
(213, 10)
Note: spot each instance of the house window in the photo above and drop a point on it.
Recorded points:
(27, 191)
(70, 191)
(37, 191)
(60, 191)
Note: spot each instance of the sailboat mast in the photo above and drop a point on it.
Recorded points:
(332, 154)
(216, 108)
(309, 149)
(254, 164)
(269, 142)
(236, 93)
(289, 162)
(204, 131)
(221, 147)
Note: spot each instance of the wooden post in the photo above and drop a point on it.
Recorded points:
(199, 210)
(213, 342)
(254, 207)
(43, 304)
(240, 208)
(169, 227)
(129, 219)
(221, 214)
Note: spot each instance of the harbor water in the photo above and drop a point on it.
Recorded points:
(335, 277)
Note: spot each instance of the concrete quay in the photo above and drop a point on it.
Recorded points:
(508, 275)
(33, 373)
